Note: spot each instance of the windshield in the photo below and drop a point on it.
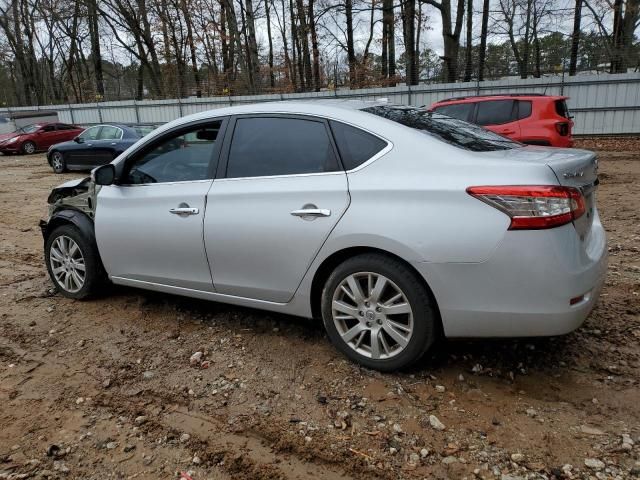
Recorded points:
(451, 130)
(29, 128)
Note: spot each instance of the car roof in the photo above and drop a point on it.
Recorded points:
(346, 110)
(500, 96)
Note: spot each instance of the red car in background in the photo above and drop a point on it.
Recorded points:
(529, 118)
(39, 136)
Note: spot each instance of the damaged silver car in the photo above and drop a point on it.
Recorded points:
(392, 224)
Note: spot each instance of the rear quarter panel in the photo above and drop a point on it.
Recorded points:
(413, 202)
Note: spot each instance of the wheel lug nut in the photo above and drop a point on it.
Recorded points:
(378, 309)
(361, 313)
(379, 321)
(366, 304)
(368, 324)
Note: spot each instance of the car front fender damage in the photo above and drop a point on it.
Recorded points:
(72, 202)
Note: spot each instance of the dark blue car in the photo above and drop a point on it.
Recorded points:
(95, 146)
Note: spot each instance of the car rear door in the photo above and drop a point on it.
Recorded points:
(499, 116)
(149, 226)
(280, 191)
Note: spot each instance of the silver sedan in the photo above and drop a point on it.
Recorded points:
(392, 224)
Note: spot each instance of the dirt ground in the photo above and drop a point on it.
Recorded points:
(104, 389)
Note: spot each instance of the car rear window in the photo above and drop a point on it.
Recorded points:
(461, 111)
(356, 146)
(451, 130)
(561, 108)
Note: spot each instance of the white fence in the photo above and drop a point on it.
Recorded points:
(602, 104)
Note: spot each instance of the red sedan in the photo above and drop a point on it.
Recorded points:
(39, 136)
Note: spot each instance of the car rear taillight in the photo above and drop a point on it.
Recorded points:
(533, 207)
(562, 128)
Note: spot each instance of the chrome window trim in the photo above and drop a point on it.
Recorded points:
(292, 175)
(378, 155)
(162, 183)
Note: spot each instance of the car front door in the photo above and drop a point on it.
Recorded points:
(499, 116)
(149, 226)
(104, 146)
(79, 156)
(280, 191)
(46, 137)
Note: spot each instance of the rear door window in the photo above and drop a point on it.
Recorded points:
(524, 109)
(495, 112)
(109, 133)
(355, 145)
(462, 111)
(266, 146)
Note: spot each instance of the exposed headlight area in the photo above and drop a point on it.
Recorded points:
(11, 140)
(533, 207)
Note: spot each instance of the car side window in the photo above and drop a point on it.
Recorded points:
(265, 146)
(355, 145)
(524, 109)
(495, 112)
(90, 133)
(49, 128)
(461, 111)
(109, 132)
(180, 157)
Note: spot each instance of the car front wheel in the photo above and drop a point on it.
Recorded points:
(57, 162)
(28, 147)
(73, 262)
(378, 312)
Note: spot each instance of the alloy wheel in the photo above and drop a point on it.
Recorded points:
(29, 148)
(372, 315)
(67, 264)
(56, 162)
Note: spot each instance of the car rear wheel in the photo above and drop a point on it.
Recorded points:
(73, 263)
(57, 162)
(378, 312)
(28, 147)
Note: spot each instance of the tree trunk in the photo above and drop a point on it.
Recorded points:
(314, 48)
(575, 38)
(272, 81)
(96, 56)
(483, 40)
(252, 46)
(192, 47)
(468, 63)
(351, 55)
(304, 43)
(409, 30)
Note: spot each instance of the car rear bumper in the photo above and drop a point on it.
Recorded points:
(526, 287)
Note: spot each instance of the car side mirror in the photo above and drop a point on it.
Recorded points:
(104, 175)
(78, 139)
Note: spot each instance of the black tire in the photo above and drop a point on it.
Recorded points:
(425, 320)
(94, 274)
(28, 147)
(58, 163)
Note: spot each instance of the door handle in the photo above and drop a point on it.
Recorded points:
(508, 131)
(311, 212)
(184, 211)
